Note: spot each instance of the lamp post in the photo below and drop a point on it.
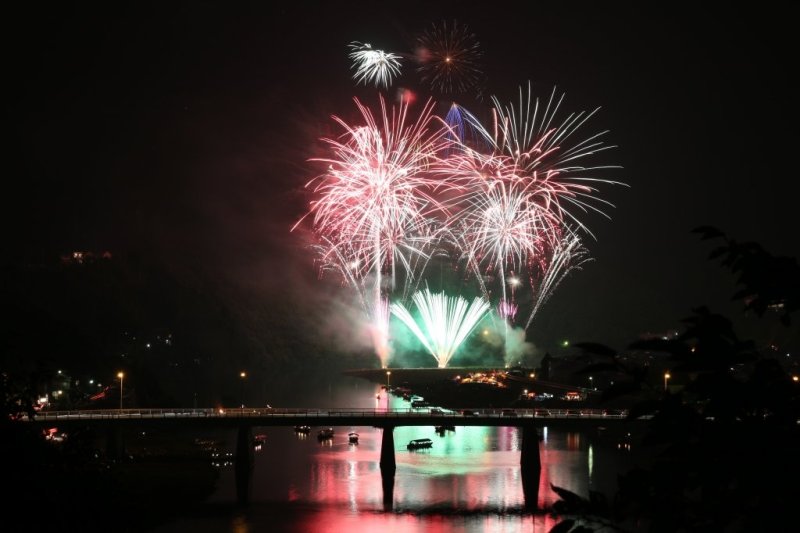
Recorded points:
(666, 378)
(121, 376)
(243, 376)
(388, 376)
(591, 382)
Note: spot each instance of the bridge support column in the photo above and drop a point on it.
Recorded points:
(387, 450)
(245, 459)
(388, 467)
(530, 466)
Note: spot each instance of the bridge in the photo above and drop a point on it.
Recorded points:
(247, 418)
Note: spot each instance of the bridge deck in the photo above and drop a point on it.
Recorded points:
(333, 417)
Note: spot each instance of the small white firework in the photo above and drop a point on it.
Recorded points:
(372, 65)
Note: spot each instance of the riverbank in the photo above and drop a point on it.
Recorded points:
(158, 478)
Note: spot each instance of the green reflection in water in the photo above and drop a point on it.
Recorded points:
(467, 449)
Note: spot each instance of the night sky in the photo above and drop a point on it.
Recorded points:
(184, 130)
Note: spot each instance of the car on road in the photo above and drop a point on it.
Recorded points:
(509, 412)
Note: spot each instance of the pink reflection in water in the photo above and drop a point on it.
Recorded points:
(475, 471)
(327, 519)
(349, 476)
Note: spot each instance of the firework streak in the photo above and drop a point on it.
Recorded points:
(374, 66)
(503, 200)
(446, 321)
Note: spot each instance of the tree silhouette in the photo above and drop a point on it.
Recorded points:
(723, 435)
(767, 282)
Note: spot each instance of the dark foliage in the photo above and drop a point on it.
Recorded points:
(722, 435)
(766, 281)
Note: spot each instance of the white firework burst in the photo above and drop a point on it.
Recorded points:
(373, 65)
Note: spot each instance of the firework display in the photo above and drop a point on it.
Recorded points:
(499, 201)
(375, 66)
(449, 57)
(446, 321)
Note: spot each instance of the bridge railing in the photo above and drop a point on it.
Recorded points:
(281, 412)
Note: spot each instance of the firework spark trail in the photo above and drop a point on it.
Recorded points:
(503, 227)
(540, 145)
(397, 191)
(449, 57)
(372, 65)
(374, 206)
(379, 330)
(466, 130)
(568, 255)
(507, 310)
(330, 257)
(446, 321)
(517, 193)
(376, 198)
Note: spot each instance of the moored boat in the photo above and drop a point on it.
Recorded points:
(418, 444)
(325, 434)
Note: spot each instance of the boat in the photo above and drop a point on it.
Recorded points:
(302, 429)
(325, 434)
(442, 429)
(418, 444)
(352, 437)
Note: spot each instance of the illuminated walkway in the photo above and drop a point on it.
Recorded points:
(287, 416)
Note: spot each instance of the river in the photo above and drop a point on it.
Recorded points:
(468, 481)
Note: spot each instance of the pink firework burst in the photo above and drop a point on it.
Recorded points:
(545, 151)
(507, 310)
(376, 198)
(373, 207)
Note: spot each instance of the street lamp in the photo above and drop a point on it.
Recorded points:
(121, 377)
(388, 376)
(666, 377)
(591, 382)
(243, 375)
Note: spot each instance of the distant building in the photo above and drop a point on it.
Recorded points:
(84, 257)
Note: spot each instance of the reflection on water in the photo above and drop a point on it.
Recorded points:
(264, 518)
(468, 481)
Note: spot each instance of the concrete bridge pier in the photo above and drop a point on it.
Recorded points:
(245, 459)
(388, 467)
(530, 466)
